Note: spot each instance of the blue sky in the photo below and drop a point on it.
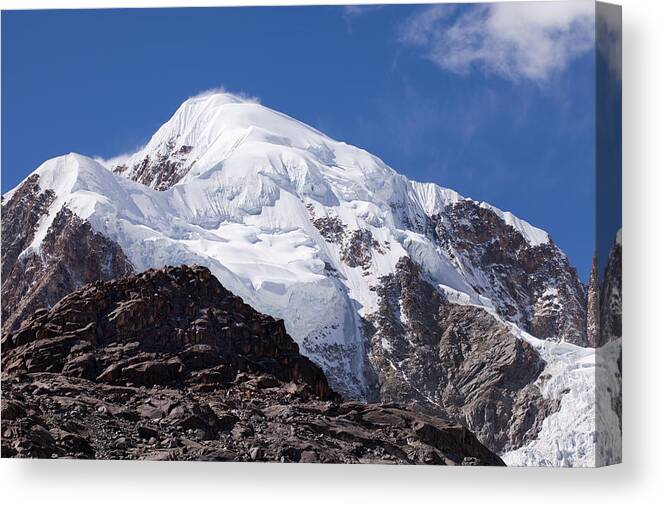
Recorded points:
(463, 96)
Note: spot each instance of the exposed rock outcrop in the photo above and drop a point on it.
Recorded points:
(531, 285)
(253, 418)
(611, 296)
(170, 365)
(168, 327)
(70, 255)
(357, 249)
(161, 171)
(593, 328)
(454, 360)
(331, 228)
(21, 215)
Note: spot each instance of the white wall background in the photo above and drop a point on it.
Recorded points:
(636, 482)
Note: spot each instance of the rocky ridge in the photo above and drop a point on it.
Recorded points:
(531, 285)
(611, 295)
(71, 254)
(594, 303)
(162, 171)
(455, 360)
(170, 365)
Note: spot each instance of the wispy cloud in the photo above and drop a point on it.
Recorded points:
(420, 29)
(352, 11)
(221, 90)
(518, 40)
(112, 162)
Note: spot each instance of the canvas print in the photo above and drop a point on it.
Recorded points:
(350, 234)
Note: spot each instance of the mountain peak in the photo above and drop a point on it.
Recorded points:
(208, 129)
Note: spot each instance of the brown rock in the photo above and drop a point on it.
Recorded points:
(147, 402)
(455, 361)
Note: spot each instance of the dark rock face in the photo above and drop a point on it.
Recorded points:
(71, 255)
(454, 360)
(170, 365)
(533, 286)
(593, 327)
(20, 217)
(357, 249)
(331, 228)
(162, 172)
(169, 327)
(611, 297)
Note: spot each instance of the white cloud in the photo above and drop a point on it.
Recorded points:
(516, 40)
(352, 13)
(359, 10)
(221, 90)
(112, 162)
(420, 28)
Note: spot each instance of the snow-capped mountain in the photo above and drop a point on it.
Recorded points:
(350, 254)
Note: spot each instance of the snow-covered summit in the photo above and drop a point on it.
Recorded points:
(233, 143)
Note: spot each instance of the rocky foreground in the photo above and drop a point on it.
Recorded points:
(168, 364)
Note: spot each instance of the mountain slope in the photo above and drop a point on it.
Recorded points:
(306, 228)
(170, 365)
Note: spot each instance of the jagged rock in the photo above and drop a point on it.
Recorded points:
(59, 417)
(70, 255)
(164, 170)
(611, 296)
(593, 328)
(163, 327)
(357, 249)
(20, 216)
(171, 325)
(531, 285)
(331, 228)
(454, 360)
